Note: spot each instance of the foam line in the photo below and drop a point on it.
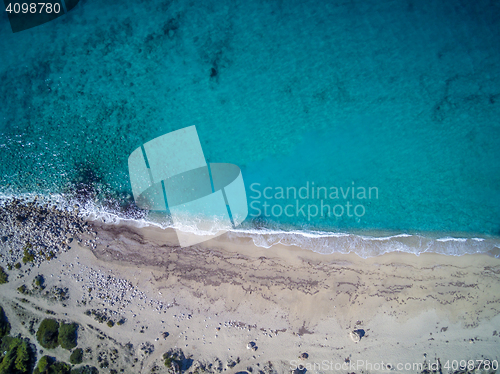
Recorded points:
(318, 241)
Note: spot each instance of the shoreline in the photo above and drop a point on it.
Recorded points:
(156, 248)
(365, 243)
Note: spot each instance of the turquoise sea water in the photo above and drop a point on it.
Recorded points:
(402, 97)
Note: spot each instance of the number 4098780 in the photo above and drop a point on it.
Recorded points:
(33, 8)
(471, 365)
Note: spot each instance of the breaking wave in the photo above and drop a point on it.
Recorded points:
(364, 244)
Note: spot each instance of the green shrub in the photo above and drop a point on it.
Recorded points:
(22, 362)
(4, 278)
(4, 324)
(60, 368)
(44, 363)
(39, 281)
(76, 356)
(49, 365)
(9, 359)
(47, 334)
(85, 370)
(28, 256)
(169, 360)
(174, 358)
(22, 289)
(110, 323)
(67, 335)
(17, 358)
(17, 265)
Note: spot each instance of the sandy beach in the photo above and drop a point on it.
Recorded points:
(234, 307)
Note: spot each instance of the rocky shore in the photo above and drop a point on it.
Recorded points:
(37, 229)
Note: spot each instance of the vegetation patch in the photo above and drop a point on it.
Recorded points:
(85, 370)
(44, 364)
(174, 359)
(39, 282)
(49, 365)
(76, 356)
(4, 324)
(102, 317)
(23, 290)
(57, 294)
(16, 356)
(47, 334)
(4, 278)
(28, 255)
(67, 335)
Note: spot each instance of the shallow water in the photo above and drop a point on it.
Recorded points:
(400, 97)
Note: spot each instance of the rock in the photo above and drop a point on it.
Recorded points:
(356, 335)
(252, 345)
(304, 356)
(175, 367)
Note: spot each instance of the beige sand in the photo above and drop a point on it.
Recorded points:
(219, 296)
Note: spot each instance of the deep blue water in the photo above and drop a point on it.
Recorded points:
(399, 96)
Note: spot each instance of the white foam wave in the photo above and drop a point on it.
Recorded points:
(364, 245)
